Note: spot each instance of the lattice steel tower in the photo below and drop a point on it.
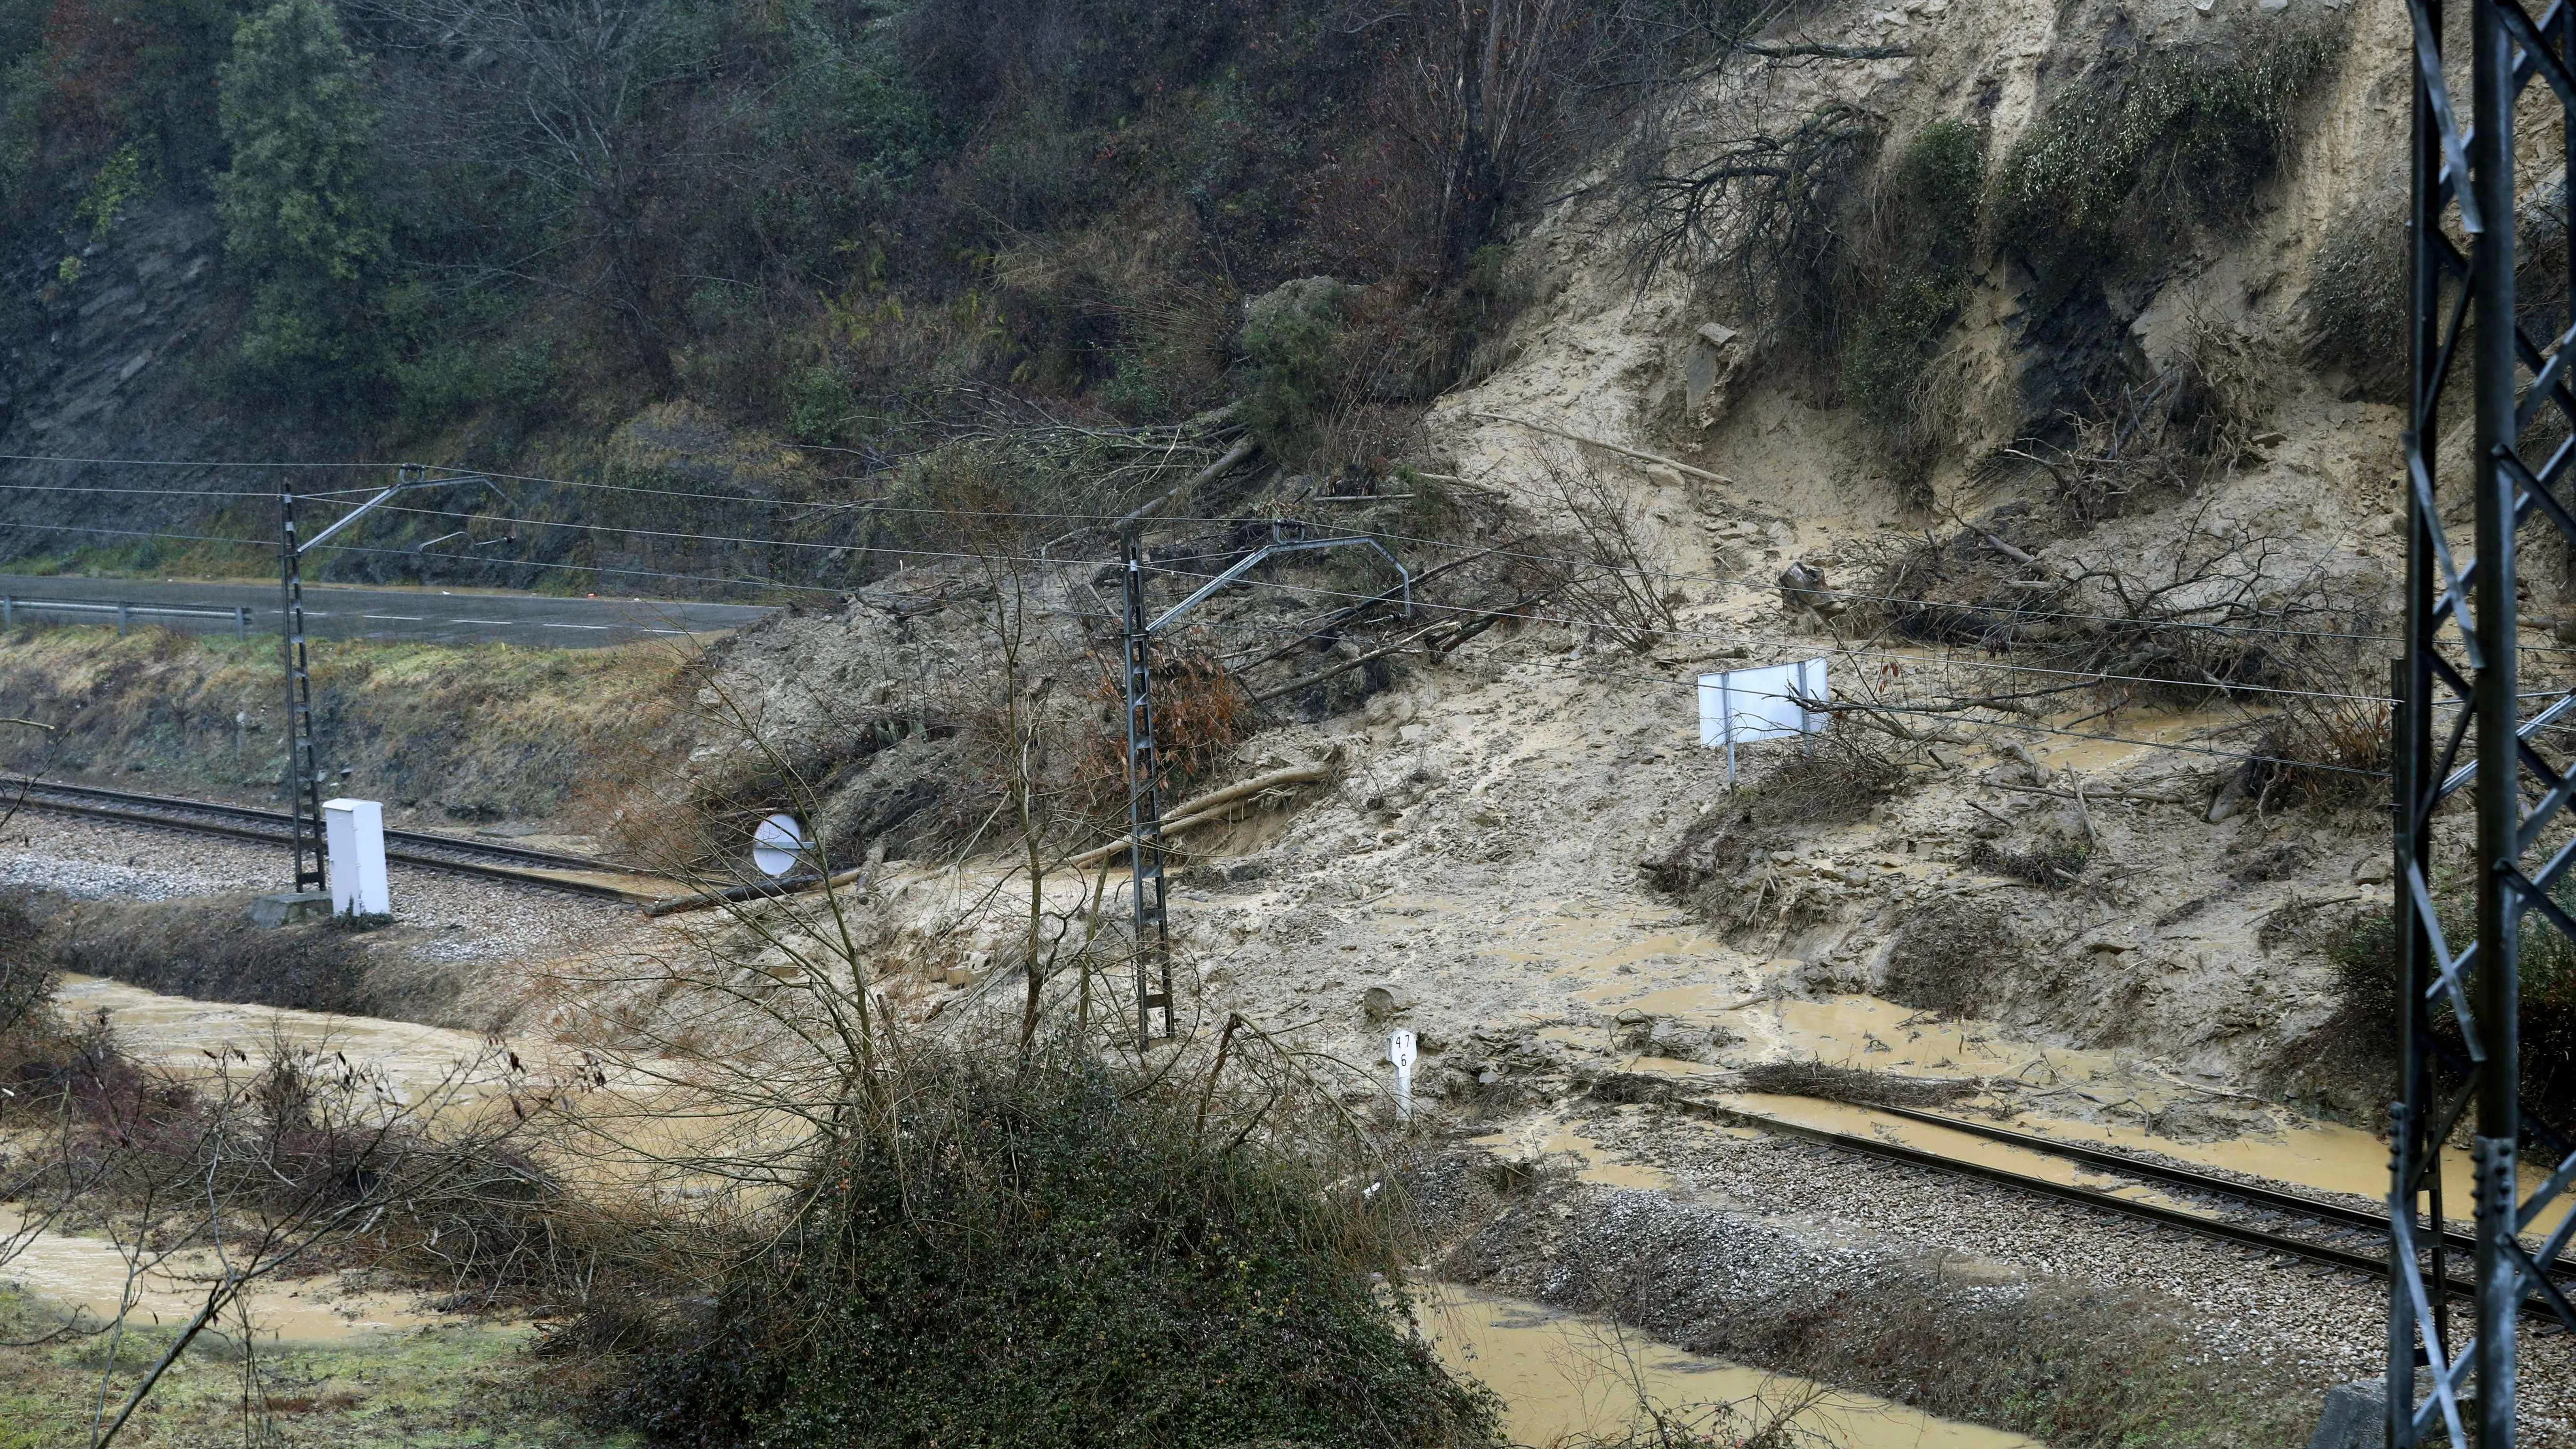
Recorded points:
(2462, 719)
(303, 765)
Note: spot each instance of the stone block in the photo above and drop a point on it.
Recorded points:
(2356, 1415)
(288, 908)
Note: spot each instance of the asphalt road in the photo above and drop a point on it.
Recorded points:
(334, 612)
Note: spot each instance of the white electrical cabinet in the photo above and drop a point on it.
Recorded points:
(355, 831)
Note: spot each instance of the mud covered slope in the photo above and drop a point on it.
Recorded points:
(2098, 569)
(2015, 361)
(2125, 462)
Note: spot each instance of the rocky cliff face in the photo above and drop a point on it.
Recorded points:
(113, 350)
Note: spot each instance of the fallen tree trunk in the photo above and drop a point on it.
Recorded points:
(757, 891)
(1191, 814)
(1622, 449)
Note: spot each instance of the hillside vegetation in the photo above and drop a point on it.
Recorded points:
(778, 248)
(772, 262)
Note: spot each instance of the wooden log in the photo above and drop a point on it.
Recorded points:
(1622, 449)
(757, 891)
(1191, 814)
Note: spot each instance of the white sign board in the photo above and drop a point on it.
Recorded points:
(1770, 703)
(354, 831)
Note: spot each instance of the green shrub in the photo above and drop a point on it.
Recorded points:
(2123, 159)
(843, 129)
(2363, 952)
(820, 405)
(298, 214)
(1291, 338)
(125, 178)
(1923, 238)
(1049, 1252)
(454, 376)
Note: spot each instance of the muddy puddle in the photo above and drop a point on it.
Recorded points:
(1613, 960)
(177, 1032)
(2071, 1095)
(94, 1275)
(1591, 1161)
(1565, 1379)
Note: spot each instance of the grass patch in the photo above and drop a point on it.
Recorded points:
(425, 1389)
(481, 732)
(208, 950)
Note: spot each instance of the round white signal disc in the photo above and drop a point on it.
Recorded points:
(778, 845)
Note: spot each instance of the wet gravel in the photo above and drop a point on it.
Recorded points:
(1818, 1208)
(452, 919)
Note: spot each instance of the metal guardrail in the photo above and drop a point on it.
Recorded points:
(125, 612)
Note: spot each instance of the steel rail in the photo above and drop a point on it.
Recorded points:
(2374, 1219)
(550, 859)
(2266, 1197)
(2373, 1264)
(269, 831)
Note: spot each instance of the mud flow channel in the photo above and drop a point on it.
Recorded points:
(99, 1277)
(1565, 1378)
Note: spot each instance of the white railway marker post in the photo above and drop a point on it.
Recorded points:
(1399, 1050)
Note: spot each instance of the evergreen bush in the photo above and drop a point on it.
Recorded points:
(1925, 242)
(1046, 1251)
(298, 215)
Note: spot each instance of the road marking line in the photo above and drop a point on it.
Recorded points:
(502, 623)
(405, 618)
(578, 626)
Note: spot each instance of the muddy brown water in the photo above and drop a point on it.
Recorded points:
(177, 1032)
(1566, 1378)
(1561, 1375)
(1871, 1034)
(96, 1275)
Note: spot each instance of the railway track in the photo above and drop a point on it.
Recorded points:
(490, 859)
(2460, 1246)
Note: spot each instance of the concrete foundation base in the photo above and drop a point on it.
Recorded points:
(288, 908)
(2356, 1416)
